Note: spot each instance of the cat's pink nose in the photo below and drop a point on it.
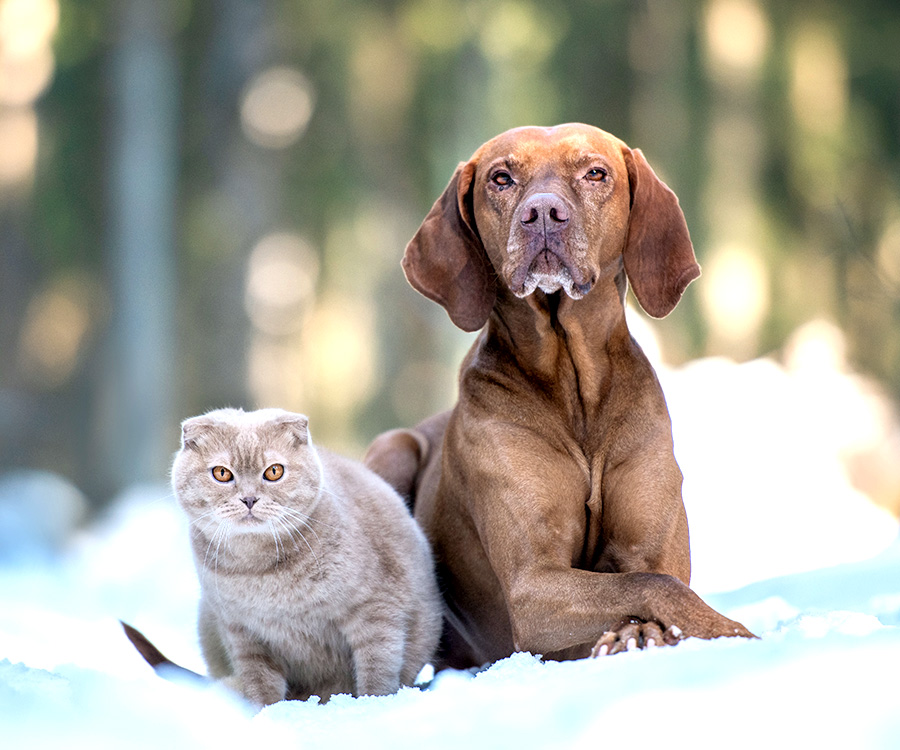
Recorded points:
(249, 501)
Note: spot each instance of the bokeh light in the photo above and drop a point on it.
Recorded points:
(735, 294)
(26, 69)
(818, 71)
(57, 322)
(381, 81)
(737, 35)
(276, 107)
(889, 253)
(339, 344)
(281, 277)
(275, 376)
(27, 26)
(18, 145)
(439, 25)
(520, 31)
(24, 78)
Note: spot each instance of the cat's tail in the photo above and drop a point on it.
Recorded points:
(164, 667)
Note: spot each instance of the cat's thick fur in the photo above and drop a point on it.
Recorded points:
(313, 583)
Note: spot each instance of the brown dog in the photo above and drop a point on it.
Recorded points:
(550, 492)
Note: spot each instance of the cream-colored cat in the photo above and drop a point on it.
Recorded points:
(314, 577)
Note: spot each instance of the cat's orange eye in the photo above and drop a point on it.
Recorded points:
(221, 474)
(274, 472)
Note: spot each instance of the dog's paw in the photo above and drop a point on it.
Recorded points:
(632, 634)
(713, 625)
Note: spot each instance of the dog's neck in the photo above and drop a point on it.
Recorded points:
(551, 334)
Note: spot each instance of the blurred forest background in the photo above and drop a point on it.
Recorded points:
(205, 203)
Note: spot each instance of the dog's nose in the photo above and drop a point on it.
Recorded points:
(544, 211)
(249, 501)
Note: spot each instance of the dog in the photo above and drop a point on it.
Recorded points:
(550, 492)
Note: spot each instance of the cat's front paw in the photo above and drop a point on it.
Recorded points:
(255, 692)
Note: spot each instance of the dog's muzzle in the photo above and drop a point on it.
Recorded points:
(541, 239)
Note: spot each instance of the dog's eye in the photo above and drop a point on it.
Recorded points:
(222, 474)
(274, 472)
(597, 174)
(502, 179)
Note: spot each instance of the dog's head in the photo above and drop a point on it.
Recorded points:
(555, 209)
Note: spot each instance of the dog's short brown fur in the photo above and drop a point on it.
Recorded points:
(550, 492)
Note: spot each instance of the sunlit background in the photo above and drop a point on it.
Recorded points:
(205, 204)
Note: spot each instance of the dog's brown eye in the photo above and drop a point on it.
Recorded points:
(502, 179)
(597, 174)
(221, 474)
(274, 472)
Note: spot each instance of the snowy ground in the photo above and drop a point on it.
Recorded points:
(781, 541)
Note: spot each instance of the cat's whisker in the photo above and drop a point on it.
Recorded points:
(291, 528)
(158, 499)
(296, 515)
(305, 517)
(292, 532)
(275, 539)
(202, 531)
(163, 499)
(324, 490)
(211, 540)
(276, 532)
(282, 526)
(214, 539)
(226, 529)
(202, 516)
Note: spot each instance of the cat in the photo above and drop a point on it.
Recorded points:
(314, 577)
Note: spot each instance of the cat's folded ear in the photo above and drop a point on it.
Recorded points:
(297, 424)
(193, 431)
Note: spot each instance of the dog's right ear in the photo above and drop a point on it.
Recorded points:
(445, 260)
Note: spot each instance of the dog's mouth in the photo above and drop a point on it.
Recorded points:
(548, 272)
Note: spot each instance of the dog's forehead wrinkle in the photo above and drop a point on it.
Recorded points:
(505, 159)
(589, 157)
(559, 158)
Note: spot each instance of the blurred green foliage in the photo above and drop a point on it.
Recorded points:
(332, 125)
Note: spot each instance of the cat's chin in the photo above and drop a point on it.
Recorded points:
(248, 524)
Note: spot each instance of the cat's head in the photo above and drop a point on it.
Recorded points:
(247, 470)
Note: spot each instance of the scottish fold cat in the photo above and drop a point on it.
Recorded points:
(314, 577)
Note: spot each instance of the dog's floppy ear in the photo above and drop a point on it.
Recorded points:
(446, 261)
(659, 256)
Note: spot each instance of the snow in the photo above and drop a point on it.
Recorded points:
(781, 541)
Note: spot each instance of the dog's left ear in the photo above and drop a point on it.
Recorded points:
(659, 256)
